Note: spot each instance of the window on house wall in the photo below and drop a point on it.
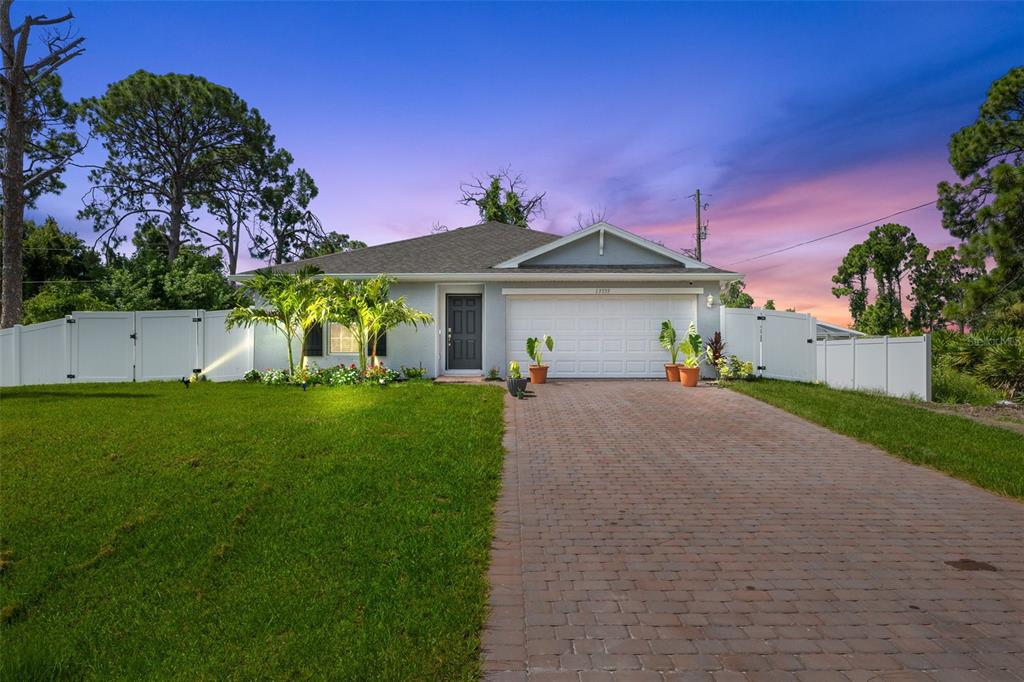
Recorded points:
(315, 342)
(341, 340)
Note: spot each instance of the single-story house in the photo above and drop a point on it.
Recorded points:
(829, 332)
(601, 293)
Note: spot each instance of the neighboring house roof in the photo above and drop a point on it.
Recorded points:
(827, 330)
(489, 248)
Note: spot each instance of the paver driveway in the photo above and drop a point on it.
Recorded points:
(646, 531)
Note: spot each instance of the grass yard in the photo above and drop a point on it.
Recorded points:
(246, 531)
(988, 456)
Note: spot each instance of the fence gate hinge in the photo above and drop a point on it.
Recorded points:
(810, 340)
(762, 317)
(70, 320)
(761, 367)
(133, 336)
(197, 319)
(71, 376)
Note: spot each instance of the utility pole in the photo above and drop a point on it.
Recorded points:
(702, 227)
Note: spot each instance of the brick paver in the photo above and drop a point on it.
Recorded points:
(651, 532)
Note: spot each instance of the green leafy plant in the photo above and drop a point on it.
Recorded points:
(668, 340)
(535, 348)
(493, 374)
(414, 372)
(514, 371)
(952, 386)
(733, 368)
(692, 347)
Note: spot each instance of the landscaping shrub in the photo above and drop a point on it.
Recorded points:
(995, 357)
(414, 372)
(953, 386)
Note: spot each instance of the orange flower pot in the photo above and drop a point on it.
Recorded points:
(689, 376)
(672, 372)
(538, 374)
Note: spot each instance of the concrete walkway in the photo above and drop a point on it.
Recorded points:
(651, 532)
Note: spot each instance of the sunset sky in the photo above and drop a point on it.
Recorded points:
(795, 119)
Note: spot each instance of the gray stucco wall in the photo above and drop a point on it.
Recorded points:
(425, 347)
(587, 251)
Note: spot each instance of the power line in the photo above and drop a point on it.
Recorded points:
(837, 232)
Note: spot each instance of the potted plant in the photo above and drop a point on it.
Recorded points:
(535, 348)
(516, 383)
(692, 347)
(668, 341)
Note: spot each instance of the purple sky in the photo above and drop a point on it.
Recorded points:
(796, 119)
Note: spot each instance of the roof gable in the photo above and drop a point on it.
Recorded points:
(601, 244)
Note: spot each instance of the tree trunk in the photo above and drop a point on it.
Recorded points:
(13, 209)
(176, 221)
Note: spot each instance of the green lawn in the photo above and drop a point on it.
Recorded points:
(246, 531)
(987, 456)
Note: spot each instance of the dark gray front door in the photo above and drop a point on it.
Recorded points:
(465, 336)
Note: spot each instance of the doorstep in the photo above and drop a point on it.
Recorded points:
(459, 379)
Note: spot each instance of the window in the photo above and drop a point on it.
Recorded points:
(315, 341)
(341, 340)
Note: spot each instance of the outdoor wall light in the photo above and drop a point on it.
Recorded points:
(711, 300)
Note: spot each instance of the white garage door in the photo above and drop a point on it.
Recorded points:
(597, 336)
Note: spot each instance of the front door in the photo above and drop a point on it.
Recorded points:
(464, 334)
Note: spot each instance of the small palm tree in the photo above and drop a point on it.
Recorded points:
(367, 311)
(291, 303)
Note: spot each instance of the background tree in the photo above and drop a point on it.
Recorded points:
(233, 197)
(769, 304)
(146, 281)
(502, 197)
(57, 299)
(887, 255)
(39, 136)
(852, 280)
(733, 295)
(286, 227)
(986, 209)
(50, 254)
(168, 137)
(331, 242)
(937, 286)
(596, 215)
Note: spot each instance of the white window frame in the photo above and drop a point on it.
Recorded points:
(345, 331)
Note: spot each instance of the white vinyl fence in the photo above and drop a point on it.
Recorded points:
(900, 366)
(783, 345)
(134, 346)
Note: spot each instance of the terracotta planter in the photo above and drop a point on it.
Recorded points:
(672, 372)
(689, 376)
(538, 374)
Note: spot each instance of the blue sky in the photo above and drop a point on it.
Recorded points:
(796, 119)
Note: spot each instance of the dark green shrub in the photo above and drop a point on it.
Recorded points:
(953, 386)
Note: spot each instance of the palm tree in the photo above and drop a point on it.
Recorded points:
(289, 302)
(367, 311)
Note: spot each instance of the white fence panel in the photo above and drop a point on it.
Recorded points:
(910, 367)
(168, 344)
(43, 353)
(787, 346)
(102, 346)
(227, 355)
(9, 365)
(898, 367)
(741, 331)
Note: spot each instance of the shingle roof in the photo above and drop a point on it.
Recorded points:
(468, 249)
(473, 249)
